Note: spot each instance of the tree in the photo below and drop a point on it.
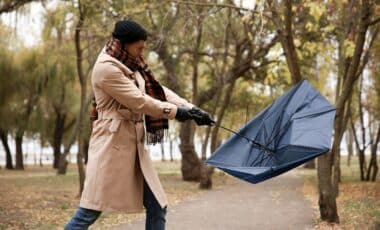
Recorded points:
(7, 89)
(87, 37)
(353, 31)
(31, 80)
(60, 98)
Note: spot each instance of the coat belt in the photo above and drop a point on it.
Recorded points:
(123, 114)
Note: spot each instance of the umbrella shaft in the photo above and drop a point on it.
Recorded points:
(245, 137)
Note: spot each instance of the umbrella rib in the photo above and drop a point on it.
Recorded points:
(280, 132)
(245, 137)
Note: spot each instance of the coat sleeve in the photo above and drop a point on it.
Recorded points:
(175, 99)
(124, 90)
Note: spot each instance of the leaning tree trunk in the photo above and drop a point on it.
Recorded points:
(327, 200)
(328, 165)
(373, 167)
(82, 80)
(326, 173)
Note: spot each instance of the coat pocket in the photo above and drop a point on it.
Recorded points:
(114, 126)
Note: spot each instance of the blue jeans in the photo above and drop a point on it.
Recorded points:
(155, 215)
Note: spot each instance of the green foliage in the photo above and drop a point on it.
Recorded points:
(317, 34)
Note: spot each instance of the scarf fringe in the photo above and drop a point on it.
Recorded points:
(158, 136)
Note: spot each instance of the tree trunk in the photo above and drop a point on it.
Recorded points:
(58, 135)
(171, 150)
(205, 143)
(73, 137)
(362, 164)
(162, 152)
(77, 133)
(328, 173)
(350, 149)
(310, 164)
(287, 44)
(206, 180)
(190, 163)
(19, 153)
(62, 167)
(285, 32)
(328, 167)
(86, 146)
(8, 155)
(373, 167)
(82, 81)
(80, 165)
(41, 144)
(327, 199)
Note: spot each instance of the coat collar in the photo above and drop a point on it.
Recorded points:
(104, 57)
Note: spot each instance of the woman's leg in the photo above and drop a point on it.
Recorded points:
(155, 215)
(82, 219)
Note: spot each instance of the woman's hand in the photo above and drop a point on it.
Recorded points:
(183, 114)
(201, 117)
(198, 115)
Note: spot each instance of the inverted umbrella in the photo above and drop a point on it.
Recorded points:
(294, 129)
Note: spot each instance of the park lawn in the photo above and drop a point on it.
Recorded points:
(39, 199)
(358, 202)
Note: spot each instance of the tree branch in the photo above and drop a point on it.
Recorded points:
(206, 4)
(9, 6)
(374, 22)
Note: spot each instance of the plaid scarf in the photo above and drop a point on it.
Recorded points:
(156, 127)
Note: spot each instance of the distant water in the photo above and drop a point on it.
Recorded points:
(33, 151)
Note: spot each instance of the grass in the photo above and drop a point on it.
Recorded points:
(37, 198)
(358, 202)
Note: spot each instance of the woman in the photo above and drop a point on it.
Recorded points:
(120, 176)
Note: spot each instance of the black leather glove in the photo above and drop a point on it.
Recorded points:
(183, 114)
(201, 117)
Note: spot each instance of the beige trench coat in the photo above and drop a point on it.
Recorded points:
(117, 158)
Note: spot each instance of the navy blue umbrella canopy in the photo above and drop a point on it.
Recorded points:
(294, 129)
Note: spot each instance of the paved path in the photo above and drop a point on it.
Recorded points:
(274, 204)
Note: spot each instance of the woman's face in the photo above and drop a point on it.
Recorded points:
(136, 49)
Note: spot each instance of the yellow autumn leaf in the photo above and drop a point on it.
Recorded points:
(348, 48)
(329, 28)
(316, 10)
(297, 42)
(311, 47)
(309, 26)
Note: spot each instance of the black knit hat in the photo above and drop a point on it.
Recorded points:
(128, 31)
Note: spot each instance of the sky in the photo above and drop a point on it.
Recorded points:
(28, 28)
